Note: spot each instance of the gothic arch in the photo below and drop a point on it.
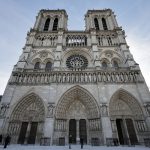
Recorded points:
(30, 109)
(123, 103)
(25, 103)
(47, 23)
(77, 93)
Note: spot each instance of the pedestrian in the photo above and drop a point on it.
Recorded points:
(81, 142)
(7, 141)
(1, 137)
(70, 141)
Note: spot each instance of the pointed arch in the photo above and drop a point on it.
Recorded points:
(55, 24)
(30, 110)
(124, 103)
(80, 94)
(37, 65)
(96, 23)
(26, 102)
(46, 26)
(104, 24)
(48, 65)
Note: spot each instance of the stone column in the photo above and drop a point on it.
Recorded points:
(58, 50)
(114, 19)
(106, 124)
(48, 128)
(95, 48)
(110, 23)
(38, 19)
(100, 23)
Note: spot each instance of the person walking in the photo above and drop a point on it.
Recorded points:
(81, 142)
(70, 141)
(7, 141)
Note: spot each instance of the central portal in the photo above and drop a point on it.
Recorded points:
(77, 130)
(77, 117)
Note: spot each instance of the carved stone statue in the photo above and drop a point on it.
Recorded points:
(50, 111)
(104, 110)
(3, 109)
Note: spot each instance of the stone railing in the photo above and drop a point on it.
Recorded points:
(78, 39)
(36, 78)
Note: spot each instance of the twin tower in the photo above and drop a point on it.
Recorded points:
(69, 85)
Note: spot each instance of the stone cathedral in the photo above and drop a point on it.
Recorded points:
(76, 84)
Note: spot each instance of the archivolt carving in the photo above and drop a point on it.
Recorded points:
(81, 95)
(123, 103)
(29, 108)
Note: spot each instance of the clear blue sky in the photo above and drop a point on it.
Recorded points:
(18, 16)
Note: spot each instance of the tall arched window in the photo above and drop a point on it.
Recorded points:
(48, 66)
(96, 23)
(104, 24)
(115, 64)
(104, 64)
(46, 26)
(55, 25)
(37, 65)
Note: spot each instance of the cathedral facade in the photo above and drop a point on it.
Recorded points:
(76, 84)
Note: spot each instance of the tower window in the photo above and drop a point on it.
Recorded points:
(48, 66)
(55, 25)
(46, 26)
(96, 24)
(37, 65)
(104, 64)
(115, 64)
(104, 24)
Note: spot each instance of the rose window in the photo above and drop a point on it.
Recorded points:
(77, 62)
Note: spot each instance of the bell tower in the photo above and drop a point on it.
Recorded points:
(51, 20)
(108, 39)
(100, 20)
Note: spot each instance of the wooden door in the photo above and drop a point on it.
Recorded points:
(119, 123)
(32, 135)
(72, 131)
(83, 130)
(131, 132)
(22, 134)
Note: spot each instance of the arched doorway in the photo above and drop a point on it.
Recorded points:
(125, 113)
(77, 116)
(26, 121)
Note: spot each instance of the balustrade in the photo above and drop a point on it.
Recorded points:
(75, 40)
